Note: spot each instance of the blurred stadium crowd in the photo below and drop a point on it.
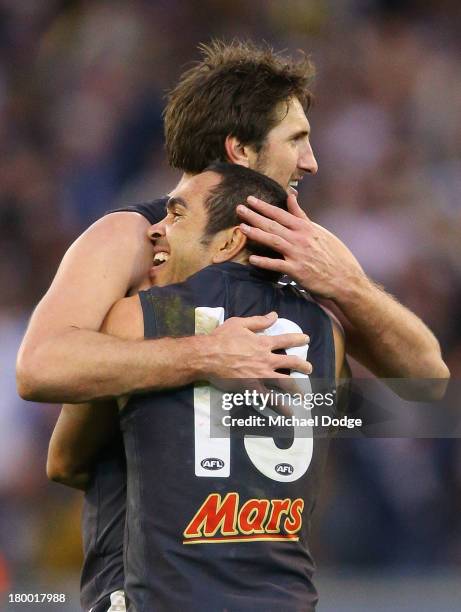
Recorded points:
(81, 94)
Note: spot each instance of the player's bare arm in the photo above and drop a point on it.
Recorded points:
(83, 429)
(80, 432)
(341, 369)
(381, 333)
(64, 358)
(247, 355)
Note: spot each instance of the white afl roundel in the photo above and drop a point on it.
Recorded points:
(212, 463)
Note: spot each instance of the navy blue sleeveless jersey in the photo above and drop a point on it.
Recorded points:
(103, 516)
(220, 524)
(153, 211)
(103, 524)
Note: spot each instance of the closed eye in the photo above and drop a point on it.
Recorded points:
(304, 134)
(173, 216)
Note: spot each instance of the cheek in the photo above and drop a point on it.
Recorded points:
(288, 162)
(189, 252)
(287, 158)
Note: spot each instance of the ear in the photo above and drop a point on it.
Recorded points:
(230, 245)
(237, 153)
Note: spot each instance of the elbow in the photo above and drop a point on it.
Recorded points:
(38, 379)
(59, 466)
(437, 385)
(430, 385)
(63, 472)
(57, 470)
(28, 380)
(430, 390)
(427, 383)
(437, 375)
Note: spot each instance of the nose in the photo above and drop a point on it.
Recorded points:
(157, 230)
(307, 161)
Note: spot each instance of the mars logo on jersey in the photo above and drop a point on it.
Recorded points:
(226, 520)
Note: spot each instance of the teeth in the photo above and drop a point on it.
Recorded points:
(293, 183)
(161, 257)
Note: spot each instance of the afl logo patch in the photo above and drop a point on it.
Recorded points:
(211, 463)
(284, 468)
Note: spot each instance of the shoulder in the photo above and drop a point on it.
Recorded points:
(112, 231)
(302, 297)
(208, 279)
(115, 249)
(153, 211)
(120, 219)
(125, 319)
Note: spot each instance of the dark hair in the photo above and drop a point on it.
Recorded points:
(236, 184)
(234, 90)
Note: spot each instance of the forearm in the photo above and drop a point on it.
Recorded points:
(385, 336)
(81, 365)
(380, 333)
(80, 433)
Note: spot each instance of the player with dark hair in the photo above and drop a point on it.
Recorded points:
(111, 260)
(254, 515)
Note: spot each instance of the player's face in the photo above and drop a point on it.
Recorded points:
(178, 249)
(287, 154)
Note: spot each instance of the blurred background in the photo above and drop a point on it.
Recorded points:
(82, 88)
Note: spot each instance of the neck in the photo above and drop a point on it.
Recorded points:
(242, 258)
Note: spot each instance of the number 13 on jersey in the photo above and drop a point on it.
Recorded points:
(212, 455)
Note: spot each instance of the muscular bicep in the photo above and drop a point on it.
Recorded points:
(112, 256)
(125, 319)
(81, 431)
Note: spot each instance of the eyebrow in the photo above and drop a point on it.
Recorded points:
(174, 201)
(301, 133)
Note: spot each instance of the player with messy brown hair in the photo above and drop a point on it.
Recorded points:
(234, 90)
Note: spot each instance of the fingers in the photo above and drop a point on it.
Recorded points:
(274, 241)
(256, 221)
(287, 385)
(274, 212)
(257, 385)
(234, 385)
(257, 323)
(294, 208)
(290, 362)
(268, 263)
(283, 392)
(284, 341)
(267, 217)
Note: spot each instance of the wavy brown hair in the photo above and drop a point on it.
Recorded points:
(235, 89)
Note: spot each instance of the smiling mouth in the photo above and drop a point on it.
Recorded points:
(160, 258)
(295, 182)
